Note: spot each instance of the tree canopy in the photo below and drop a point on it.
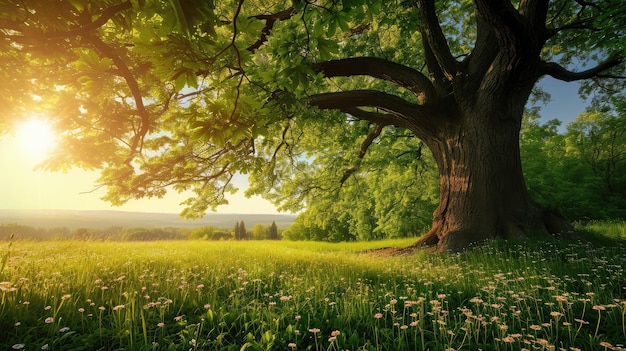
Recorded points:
(320, 102)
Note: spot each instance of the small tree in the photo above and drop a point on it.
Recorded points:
(273, 231)
(259, 232)
(237, 231)
(242, 231)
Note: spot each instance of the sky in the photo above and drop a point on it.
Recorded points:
(21, 187)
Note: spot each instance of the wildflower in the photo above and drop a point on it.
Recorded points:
(66, 296)
(393, 302)
(298, 317)
(292, 345)
(47, 308)
(606, 344)
(441, 296)
(414, 323)
(160, 325)
(508, 339)
(102, 308)
(178, 318)
(314, 330)
(404, 326)
(26, 303)
(81, 310)
(19, 346)
(49, 320)
(118, 307)
(556, 314)
(535, 327)
(64, 329)
(207, 306)
(598, 308)
(200, 287)
(332, 338)
(335, 333)
(378, 315)
(44, 347)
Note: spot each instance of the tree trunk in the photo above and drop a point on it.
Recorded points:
(482, 190)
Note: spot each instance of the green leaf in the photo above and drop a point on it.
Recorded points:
(181, 18)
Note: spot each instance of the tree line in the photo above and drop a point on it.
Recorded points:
(118, 233)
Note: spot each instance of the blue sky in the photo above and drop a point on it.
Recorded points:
(565, 104)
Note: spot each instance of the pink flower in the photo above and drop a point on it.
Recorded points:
(598, 308)
(160, 325)
(378, 315)
(118, 307)
(18, 346)
(49, 320)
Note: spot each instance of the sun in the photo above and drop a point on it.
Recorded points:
(36, 138)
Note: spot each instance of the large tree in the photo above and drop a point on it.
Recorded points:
(187, 94)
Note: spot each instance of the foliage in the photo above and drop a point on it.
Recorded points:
(209, 233)
(318, 296)
(579, 173)
(183, 95)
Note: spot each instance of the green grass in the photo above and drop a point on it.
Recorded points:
(534, 295)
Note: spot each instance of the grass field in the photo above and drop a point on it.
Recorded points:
(198, 295)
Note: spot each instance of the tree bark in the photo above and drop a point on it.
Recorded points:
(483, 194)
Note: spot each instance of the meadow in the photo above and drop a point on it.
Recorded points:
(533, 294)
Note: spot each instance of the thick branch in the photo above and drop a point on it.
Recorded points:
(270, 20)
(398, 74)
(380, 118)
(435, 39)
(536, 12)
(561, 73)
(506, 22)
(401, 112)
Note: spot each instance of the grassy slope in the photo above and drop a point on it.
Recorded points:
(287, 295)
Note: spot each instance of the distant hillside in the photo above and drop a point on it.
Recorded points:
(104, 219)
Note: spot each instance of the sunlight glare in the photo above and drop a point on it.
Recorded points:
(36, 138)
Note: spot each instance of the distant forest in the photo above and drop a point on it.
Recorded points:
(119, 233)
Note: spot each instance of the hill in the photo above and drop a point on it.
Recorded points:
(74, 219)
